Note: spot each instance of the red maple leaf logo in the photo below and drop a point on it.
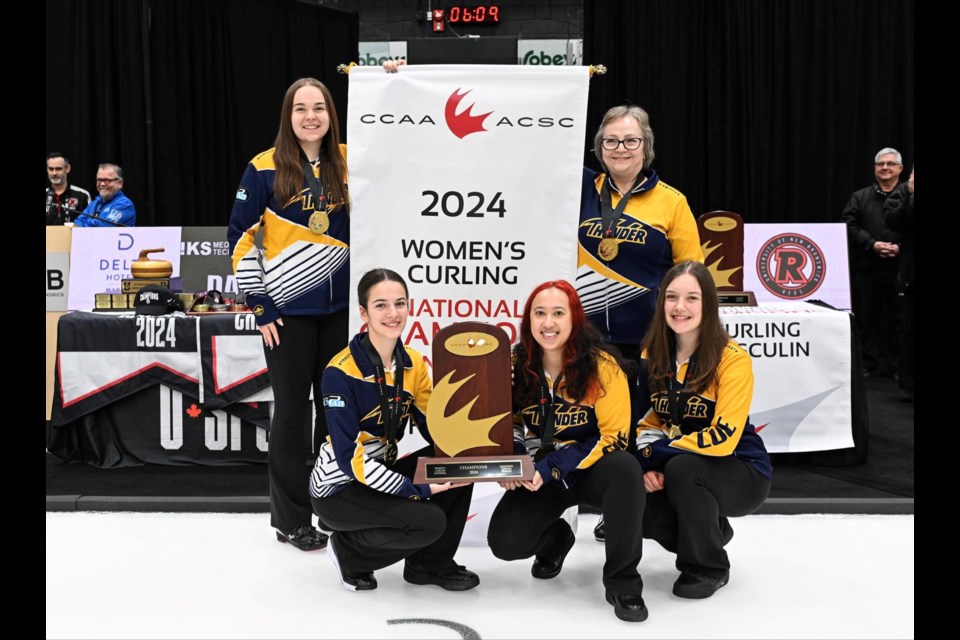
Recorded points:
(462, 124)
(194, 411)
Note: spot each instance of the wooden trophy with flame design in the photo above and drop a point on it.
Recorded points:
(469, 413)
(721, 238)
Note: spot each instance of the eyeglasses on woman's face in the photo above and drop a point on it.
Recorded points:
(630, 144)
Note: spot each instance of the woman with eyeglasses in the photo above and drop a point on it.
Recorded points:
(633, 228)
(297, 285)
(703, 461)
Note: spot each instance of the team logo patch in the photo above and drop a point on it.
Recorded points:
(791, 266)
(258, 310)
(333, 401)
(646, 452)
(242, 195)
(555, 474)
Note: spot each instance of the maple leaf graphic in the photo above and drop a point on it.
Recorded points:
(464, 123)
(194, 411)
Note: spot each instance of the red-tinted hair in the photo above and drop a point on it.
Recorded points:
(579, 352)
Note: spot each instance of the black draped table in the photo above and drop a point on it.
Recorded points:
(171, 389)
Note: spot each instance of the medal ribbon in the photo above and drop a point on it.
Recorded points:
(608, 215)
(547, 409)
(673, 395)
(390, 413)
(315, 186)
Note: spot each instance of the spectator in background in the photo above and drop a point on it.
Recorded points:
(874, 251)
(64, 200)
(111, 208)
(898, 213)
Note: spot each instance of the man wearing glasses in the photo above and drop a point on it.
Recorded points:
(874, 259)
(111, 208)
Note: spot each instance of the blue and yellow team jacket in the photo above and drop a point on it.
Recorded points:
(300, 273)
(357, 441)
(715, 422)
(584, 431)
(656, 231)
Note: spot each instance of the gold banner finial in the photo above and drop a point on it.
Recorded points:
(597, 69)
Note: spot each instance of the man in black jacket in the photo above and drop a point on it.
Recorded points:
(64, 201)
(874, 259)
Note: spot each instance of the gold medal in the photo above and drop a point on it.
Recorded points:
(390, 456)
(319, 222)
(608, 249)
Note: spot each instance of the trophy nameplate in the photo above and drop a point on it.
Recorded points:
(470, 410)
(736, 299)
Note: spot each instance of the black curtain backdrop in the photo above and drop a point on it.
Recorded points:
(182, 93)
(770, 108)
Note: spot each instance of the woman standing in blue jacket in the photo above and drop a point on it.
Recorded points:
(297, 286)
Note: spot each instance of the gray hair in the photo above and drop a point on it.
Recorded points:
(109, 165)
(887, 151)
(646, 132)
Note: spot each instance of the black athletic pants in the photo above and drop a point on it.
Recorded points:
(689, 515)
(524, 522)
(375, 529)
(307, 344)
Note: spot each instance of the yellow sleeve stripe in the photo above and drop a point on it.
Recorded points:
(245, 245)
(279, 234)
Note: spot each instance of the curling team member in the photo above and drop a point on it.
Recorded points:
(703, 461)
(571, 396)
(359, 488)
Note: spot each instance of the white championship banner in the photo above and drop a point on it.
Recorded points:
(466, 181)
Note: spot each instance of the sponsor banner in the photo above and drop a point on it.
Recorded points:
(529, 52)
(797, 262)
(101, 258)
(160, 425)
(205, 260)
(475, 210)
(58, 275)
(550, 52)
(374, 54)
(801, 367)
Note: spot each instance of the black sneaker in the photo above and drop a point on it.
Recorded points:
(696, 586)
(305, 538)
(363, 582)
(599, 534)
(548, 565)
(628, 608)
(454, 578)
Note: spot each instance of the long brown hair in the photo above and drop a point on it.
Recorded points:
(287, 156)
(660, 342)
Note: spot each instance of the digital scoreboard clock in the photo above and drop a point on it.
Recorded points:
(483, 14)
